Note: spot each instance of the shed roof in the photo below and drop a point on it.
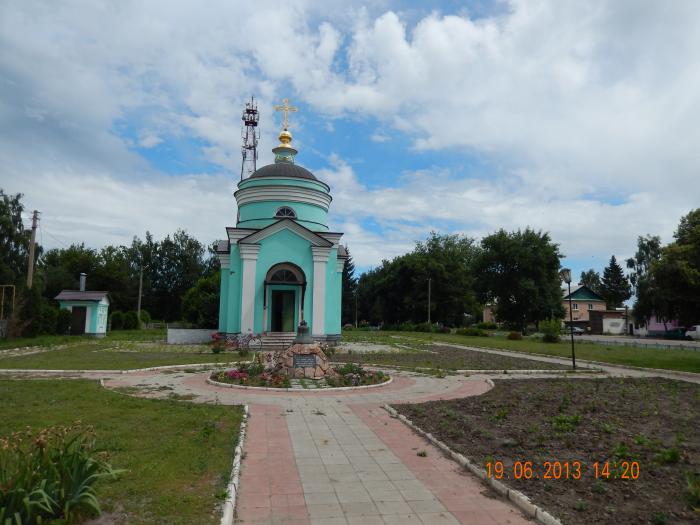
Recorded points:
(77, 295)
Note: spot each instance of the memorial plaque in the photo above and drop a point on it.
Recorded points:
(304, 360)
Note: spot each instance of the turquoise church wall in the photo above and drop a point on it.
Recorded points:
(261, 214)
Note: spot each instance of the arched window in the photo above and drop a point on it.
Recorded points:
(284, 276)
(285, 212)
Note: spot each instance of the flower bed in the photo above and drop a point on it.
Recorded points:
(254, 374)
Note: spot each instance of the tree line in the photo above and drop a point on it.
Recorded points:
(168, 268)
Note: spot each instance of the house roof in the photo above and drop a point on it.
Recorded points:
(77, 295)
(581, 293)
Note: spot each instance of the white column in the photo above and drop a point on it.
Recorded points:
(321, 255)
(249, 256)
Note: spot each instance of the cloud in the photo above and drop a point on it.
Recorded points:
(583, 116)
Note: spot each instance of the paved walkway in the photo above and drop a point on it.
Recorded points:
(338, 457)
(325, 457)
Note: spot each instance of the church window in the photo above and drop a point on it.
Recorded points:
(284, 276)
(285, 212)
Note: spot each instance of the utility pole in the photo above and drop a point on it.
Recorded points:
(355, 308)
(429, 279)
(30, 268)
(138, 306)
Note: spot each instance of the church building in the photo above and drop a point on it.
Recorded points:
(280, 264)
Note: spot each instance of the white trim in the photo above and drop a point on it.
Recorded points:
(234, 234)
(290, 225)
(224, 259)
(283, 193)
(268, 179)
(339, 265)
(249, 255)
(332, 237)
(320, 256)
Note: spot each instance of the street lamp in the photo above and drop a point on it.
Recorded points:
(565, 275)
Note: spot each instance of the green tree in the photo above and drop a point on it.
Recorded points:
(14, 240)
(200, 304)
(349, 288)
(615, 287)
(519, 273)
(648, 300)
(591, 278)
(677, 272)
(397, 290)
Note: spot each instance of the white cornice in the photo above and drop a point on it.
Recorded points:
(235, 234)
(332, 237)
(320, 253)
(287, 224)
(283, 193)
(249, 251)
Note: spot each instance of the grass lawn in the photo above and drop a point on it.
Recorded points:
(675, 359)
(446, 358)
(177, 455)
(650, 421)
(52, 340)
(118, 351)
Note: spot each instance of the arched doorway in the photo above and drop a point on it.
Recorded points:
(285, 286)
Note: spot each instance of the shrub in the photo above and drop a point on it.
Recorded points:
(145, 317)
(472, 332)
(487, 326)
(63, 322)
(423, 327)
(116, 320)
(131, 320)
(50, 475)
(550, 329)
(515, 336)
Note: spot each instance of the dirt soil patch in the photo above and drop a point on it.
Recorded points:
(449, 358)
(651, 421)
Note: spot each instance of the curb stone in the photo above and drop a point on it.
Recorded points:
(300, 390)
(520, 500)
(229, 508)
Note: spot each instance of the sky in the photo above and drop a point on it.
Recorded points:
(575, 118)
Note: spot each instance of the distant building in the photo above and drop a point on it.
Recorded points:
(583, 302)
(611, 322)
(89, 310)
(489, 316)
(655, 327)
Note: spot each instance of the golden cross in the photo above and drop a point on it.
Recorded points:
(286, 109)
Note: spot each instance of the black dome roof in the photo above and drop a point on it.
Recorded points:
(283, 169)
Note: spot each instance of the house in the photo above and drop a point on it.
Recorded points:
(89, 310)
(583, 302)
(655, 327)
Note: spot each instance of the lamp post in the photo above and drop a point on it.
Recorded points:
(355, 308)
(565, 275)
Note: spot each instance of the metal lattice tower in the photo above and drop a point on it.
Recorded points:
(250, 136)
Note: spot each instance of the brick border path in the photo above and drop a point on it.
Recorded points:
(328, 458)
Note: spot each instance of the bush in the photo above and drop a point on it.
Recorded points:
(63, 320)
(423, 327)
(116, 321)
(49, 476)
(515, 336)
(487, 326)
(145, 317)
(131, 320)
(550, 329)
(472, 332)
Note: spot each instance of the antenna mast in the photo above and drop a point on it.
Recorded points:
(250, 137)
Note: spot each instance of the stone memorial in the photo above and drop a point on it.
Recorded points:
(304, 359)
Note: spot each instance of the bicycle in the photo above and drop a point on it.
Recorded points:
(248, 341)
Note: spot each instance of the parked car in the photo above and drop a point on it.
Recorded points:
(693, 333)
(577, 330)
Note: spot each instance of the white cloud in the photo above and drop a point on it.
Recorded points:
(570, 104)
